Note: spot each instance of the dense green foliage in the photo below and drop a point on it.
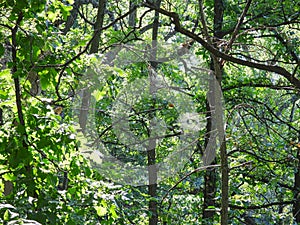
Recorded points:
(77, 96)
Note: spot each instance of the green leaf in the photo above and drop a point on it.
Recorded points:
(3, 95)
(101, 211)
(10, 2)
(44, 141)
(2, 50)
(5, 74)
(65, 10)
(21, 4)
(52, 16)
(9, 177)
(3, 169)
(6, 215)
(98, 95)
(53, 180)
(113, 212)
(45, 80)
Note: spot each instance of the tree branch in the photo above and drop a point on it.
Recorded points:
(251, 207)
(271, 86)
(187, 175)
(176, 21)
(238, 26)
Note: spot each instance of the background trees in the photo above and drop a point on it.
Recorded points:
(50, 48)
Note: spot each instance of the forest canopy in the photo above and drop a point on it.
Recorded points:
(149, 112)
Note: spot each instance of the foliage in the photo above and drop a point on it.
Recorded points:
(47, 172)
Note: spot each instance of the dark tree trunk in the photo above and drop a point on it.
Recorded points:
(98, 26)
(152, 177)
(22, 150)
(296, 205)
(86, 95)
(1, 117)
(72, 17)
(210, 178)
(132, 16)
(151, 151)
(218, 24)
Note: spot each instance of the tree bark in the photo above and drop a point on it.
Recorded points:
(14, 70)
(72, 17)
(224, 181)
(132, 16)
(23, 149)
(210, 177)
(296, 205)
(1, 117)
(151, 151)
(97, 26)
(86, 95)
(214, 105)
(218, 24)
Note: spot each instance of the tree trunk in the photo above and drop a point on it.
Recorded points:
(86, 95)
(152, 178)
(210, 177)
(151, 151)
(22, 150)
(72, 17)
(224, 181)
(1, 117)
(132, 16)
(296, 205)
(98, 26)
(218, 23)
(214, 105)
(209, 194)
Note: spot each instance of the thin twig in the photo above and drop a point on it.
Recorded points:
(187, 175)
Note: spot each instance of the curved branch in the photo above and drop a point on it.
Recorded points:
(253, 85)
(187, 175)
(176, 21)
(251, 207)
(238, 25)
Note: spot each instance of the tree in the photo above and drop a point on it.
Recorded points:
(79, 62)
